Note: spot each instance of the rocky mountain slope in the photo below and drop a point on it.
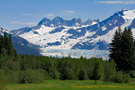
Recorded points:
(21, 45)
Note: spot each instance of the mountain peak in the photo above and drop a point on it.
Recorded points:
(124, 9)
(44, 21)
(91, 22)
(59, 21)
(128, 14)
(125, 14)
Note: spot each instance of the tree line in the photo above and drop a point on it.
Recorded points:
(16, 68)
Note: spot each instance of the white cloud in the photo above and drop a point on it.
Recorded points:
(26, 14)
(49, 15)
(68, 12)
(116, 2)
(23, 23)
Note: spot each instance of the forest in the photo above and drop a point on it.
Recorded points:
(120, 68)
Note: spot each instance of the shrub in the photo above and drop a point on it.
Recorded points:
(31, 76)
(109, 71)
(9, 76)
(12, 76)
(121, 77)
(111, 74)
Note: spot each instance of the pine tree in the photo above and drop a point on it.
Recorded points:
(6, 45)
(82, 74)
(127, 49)
(122, 50)
(96, 71)
(115, 47)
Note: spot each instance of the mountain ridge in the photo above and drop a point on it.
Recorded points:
(57, 34)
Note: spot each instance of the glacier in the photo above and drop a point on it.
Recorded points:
(76, 53)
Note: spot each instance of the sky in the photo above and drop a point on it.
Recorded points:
(15, 14)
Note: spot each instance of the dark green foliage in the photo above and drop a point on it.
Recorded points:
(51, 69)
(66, 69)
(115, 47)
(89, 65)
(122, 50)
(128, 50)
(6, 46)
(97, 71)
(82, 75)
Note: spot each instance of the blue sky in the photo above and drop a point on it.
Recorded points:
(16, 14)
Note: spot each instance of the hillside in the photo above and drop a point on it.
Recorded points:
(21, 45)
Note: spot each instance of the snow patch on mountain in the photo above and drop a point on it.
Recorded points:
(104, 28)
(129, 14)
(107, 37)
(2, 31)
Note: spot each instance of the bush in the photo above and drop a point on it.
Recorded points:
(120, 77)
(31, 76)
(12, 76)
(109, 71)
(111, 74)
(9, 76)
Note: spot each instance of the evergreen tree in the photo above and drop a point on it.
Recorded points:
(82, 75)
(127, 49)
(6, 45)
(115, 47)
(122, 50)
(96, 71)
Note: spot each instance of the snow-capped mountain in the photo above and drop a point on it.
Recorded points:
(21, 45)
(56, 23)
(75, 34)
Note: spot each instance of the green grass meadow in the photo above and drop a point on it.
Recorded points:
(71, 85)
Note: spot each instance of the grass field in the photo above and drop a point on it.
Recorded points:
(71, 85)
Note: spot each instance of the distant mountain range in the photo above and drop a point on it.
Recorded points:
(57, 22)
(76, 34)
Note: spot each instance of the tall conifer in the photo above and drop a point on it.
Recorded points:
(122, 50)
